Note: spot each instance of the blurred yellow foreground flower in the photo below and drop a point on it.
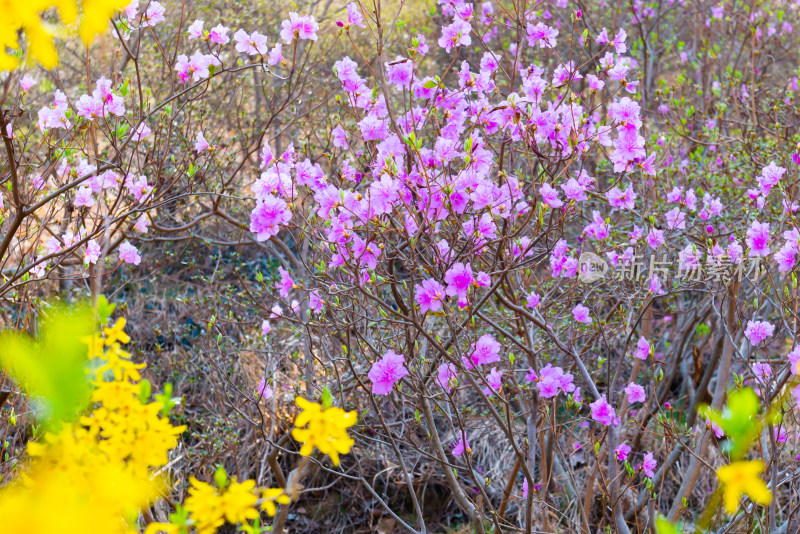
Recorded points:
(26, 15)
(743, 477)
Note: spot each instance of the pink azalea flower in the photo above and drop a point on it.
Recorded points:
(533, 300)
(461, 445)
(622, 199)
(27, 82)
(495, 381)
(153, 15)
(129, 254)
(219, 35)
(459, 279)
(794, 361)
(446, 376)
(429, 295)
(581, 314)
(266, 328)
(649, 465)
(301, 26)
(285, 284)
(263, 391)
(531, 375)
(550, 196)
(141, 132)
(200, 143)
(635, 393)
(619, 42)
(93, 251)
(400, 72)
(603, 412)
(676, 219)
(718, 432)
(796, 395)
(132, 10)
(622, 451)
(83, 197)
(268, 216)
(340, 137)
(642, 349)
(762, 371)
(455, 34)
(195, 30)
(542, 34)
(485, 350)
(276, 55)
(142, 224)
(315, 303)
(354, 16)
(758, 239)
(758, 331)
(383, 194)
(386, 372)
(655, 238)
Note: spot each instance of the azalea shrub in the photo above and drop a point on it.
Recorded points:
(403, 266)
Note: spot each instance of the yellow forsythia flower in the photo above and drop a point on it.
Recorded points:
(93, 477)
(743, 477)
(211, 507)
(325, 429)
(270, 496)
(25, 15)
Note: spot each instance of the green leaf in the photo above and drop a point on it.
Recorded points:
(145, 389)
(327, 398)
(104, 309)
(168, 402)
(430, 84)
(221, 477)
(738, 420)
(663, 526)
(52, 365)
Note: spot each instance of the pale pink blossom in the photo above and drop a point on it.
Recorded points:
(635, 393)
(129, 254)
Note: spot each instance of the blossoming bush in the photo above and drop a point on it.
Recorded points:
(538, 259)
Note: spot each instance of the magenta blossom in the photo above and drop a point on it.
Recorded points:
(461, 446)
(622, 452)
(429, 295)
(758, 331)
(758, 239)
(649, 465)
(642, 349)
(264, 391)
(266, 218)
(446, 376)
(542, 34)
(485, 350)
(603, 412)
(386, 372)
(495, 381)
(458, 279)
(285, 283)
(581, 314)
